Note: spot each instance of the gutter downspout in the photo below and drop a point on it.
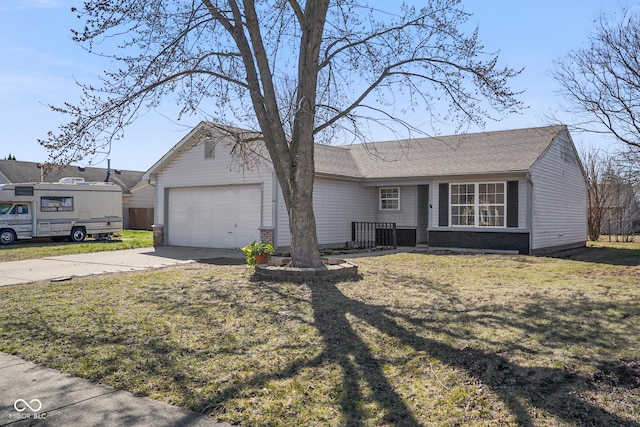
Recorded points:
(530, 209)
(275, 186)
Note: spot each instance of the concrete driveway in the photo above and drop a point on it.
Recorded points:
(67, 266)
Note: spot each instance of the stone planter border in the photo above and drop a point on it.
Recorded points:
(278, 270)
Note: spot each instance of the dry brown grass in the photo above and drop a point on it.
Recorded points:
(421, 339)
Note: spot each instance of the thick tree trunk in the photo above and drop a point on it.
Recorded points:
(298, 195)
(292, 157)
(295, 171)
(302, 225)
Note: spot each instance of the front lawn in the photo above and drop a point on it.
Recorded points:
(42, 247)
(422, 339)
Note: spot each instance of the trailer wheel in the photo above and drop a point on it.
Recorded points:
(78, 234)
(7, 237)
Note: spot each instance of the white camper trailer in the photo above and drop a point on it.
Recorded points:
(68, 209)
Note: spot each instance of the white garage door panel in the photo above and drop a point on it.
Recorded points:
(214, 217)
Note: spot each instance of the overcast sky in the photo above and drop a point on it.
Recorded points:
(40, 62)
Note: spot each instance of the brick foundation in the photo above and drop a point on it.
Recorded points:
(158, 235)
(266, 236)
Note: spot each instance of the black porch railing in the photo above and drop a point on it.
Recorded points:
(374, 234)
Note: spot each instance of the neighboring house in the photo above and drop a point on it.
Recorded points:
(622, 213)
(137, 195)
(522, 190)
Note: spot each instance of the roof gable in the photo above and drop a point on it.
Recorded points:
(227, 135)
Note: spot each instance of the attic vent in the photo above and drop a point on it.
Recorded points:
(209, 149)
(567, 154)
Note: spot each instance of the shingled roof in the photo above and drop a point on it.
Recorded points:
(498, 152)
(336, 161)
(467, 154)
(17, 172)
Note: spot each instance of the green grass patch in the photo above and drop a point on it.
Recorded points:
(421, 339)
(41, 247)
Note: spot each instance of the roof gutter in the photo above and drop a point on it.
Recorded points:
(338, 176)
(409, 180)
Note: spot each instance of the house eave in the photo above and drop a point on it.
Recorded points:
(339, 176)
(416, 180)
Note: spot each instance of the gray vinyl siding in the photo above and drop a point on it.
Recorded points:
(142, 197)
(407, 215)
(336, 204)
(282, 234)
(523, 204)
(191, 169)
(559, 197)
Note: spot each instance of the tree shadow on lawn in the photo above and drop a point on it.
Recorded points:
(548, 389)
(334, 326)
(602, 255)
(523, 390)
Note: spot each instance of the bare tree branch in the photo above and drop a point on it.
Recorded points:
(602, 81)
(293, 71)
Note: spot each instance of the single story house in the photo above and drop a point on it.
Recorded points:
(137, 194)
(521, 190)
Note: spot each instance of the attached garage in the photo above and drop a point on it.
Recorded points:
(214, 216)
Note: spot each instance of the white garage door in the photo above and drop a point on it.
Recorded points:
(214, 217)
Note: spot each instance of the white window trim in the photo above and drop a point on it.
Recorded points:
(477, 205)
(380, 199)
(475, 213)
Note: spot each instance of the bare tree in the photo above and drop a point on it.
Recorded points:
(602, 80)
(623, 212)
(612, 200)
(292, 70)
(628, 162)
(597, 199)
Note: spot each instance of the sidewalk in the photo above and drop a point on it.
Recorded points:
(31, 395)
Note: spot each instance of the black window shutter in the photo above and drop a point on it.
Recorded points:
(512, 203)
(443, 205)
